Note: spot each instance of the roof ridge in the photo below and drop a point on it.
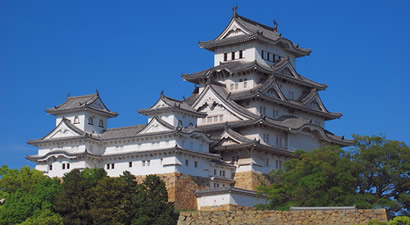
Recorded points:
(124, 128)
(83, 96)
(257, 23)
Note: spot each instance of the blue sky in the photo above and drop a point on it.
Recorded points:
(131, 50)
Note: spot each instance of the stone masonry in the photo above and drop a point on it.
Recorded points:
(181, 188)
(249, 216)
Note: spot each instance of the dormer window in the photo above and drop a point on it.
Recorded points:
(76, 120)
(101, 123)
(90, 120)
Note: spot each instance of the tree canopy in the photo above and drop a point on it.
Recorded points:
(373, 173)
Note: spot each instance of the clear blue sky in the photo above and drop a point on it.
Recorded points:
(131, 50)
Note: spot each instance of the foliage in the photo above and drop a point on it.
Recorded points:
(320, 178)
(45, 218)
(383, 173)
(151, 203)
(73, 200)
(373, 174)
(28, 194)
(400, 220)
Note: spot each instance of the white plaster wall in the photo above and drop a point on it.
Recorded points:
(213, 200)
(94, 128)
(304, 141)
(57, 170)
(71, 117)
(286, 88)
(248, 51)
(259, 46)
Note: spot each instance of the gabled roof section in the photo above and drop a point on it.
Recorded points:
(167, 104)
(241, 29)
(221, 95)
(284, 69)
(229, 67)
(155, 125)
(91, 102)
(64, 130)
(270, 91)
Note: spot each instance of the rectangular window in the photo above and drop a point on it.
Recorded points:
(196, 164)
(68, 166)
(130, 164)
(225, 56)
(112, 165)
(232, 86)
(108, 166)
(240, 80)
(223, 173)
(262, 110)
(236, 86)
(215, 118)
(266, 138)
(280, 164)
(263, 54)
(220, 173)
(215, 172)
(221, 117)
(233, 55)
(277, 164)
(209, 119)
(148, 162)
(186, 162)
(268, 56)
(240, 54)
(143, 162)
(273, 58)
(162, 160)
(245, 83)
(50, 167)
(267, 163)
(63, 166)
(203, 120)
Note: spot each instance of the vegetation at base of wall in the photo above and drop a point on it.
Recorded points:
(84, 197)
(373, 173)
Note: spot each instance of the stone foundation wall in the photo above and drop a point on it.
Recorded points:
(249, 180)
(247, 216)
(181, 188)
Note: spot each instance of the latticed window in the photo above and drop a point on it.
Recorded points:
(76, 120)
(90, 120)
(101, 123)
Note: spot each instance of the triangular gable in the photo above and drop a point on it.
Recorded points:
(63, 130)
(272, 89)
(209, 99)
(233, 29)
(288, 70)
(159, 104)
(98, 104)
(316, 103)
(156, 125)
(229, 137)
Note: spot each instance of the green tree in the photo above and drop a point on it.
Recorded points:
(73, 200)
(151, 203)
(28, 194)
(45, 218)
(382, 168)
(320, 178)
(108, 202)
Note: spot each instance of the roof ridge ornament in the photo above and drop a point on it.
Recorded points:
(235, 14)
(275, 28)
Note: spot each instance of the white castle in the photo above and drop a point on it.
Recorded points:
(246, 116)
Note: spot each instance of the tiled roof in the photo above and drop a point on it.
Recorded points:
(122, 132)
(77, 103)
(255, 31)
(171, 104)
